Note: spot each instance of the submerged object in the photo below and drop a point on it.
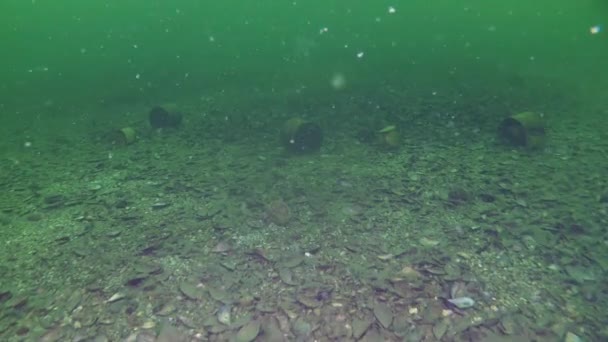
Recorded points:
(389, 137)
(128, 135)
(123, 136)
(525, 129)
(462, 302)
(223, 314)
(299, 136)
(159, 117)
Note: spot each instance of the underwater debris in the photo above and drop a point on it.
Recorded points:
(389, 137)
(159, 117)
(526, 129)
(124, 136)
(299, 136)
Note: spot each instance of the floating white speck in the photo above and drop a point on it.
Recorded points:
(323, 30)
(338, 81)
(137, 76)
(595, 29)
(360, 54)
(391, 10)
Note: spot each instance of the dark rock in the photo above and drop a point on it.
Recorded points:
(161, 118)
(457, 196)
(488, 198)
(5, 295)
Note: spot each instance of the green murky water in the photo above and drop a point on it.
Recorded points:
(96, 50)
(303, 170)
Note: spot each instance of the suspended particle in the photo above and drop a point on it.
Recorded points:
(595, 29)
(338, 81)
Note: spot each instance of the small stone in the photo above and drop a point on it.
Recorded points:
(113, 233)
(413, 176)
(221, 247)
(116, 297)
(191, 290)
(409, 273)
(570, 337)
(440, 328)
(165, 309)
(287, 276)
(383, 314)
(428, 242)
(360, 326)
(462, 302)
(293, 261)
(385, 257)
(169, 333)
(94, 186)
(223, 314)
(160, 205)
(464, 255)
(148, 325)
(301, 328)
(219, 294)
(248, 332)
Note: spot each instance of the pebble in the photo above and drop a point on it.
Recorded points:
(426, 242)
(462, 302)
(160, 205)
(116, 297)
(223, 314)
(94, 186)
(570, 337)
(148, 325)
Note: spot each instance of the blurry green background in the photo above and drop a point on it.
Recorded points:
(74, 51)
